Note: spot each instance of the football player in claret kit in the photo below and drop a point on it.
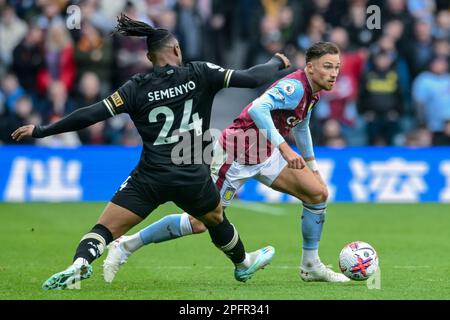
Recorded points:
(254, 146)
(171, 100)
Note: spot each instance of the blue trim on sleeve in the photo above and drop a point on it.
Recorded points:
(303, 138)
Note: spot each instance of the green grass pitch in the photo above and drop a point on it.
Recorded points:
(412, 240)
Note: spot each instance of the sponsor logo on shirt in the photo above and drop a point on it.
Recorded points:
(293, 121)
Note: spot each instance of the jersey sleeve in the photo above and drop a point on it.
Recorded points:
(123, 99)
(214, 75)
(303, 139)
(286, 95)
(256, 75)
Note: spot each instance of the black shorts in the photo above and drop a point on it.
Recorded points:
(195, 199)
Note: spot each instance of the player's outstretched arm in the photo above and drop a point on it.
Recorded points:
(77, 120)
(259, 74)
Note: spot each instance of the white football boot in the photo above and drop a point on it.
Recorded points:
(321, 273)
(68, 278)
(117, 256)
(259, 258)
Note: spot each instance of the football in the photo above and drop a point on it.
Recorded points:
(358, 260)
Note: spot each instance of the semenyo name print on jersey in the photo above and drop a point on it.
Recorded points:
(171, 92)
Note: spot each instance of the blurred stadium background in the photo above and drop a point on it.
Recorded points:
(393, 88)
(383, 135)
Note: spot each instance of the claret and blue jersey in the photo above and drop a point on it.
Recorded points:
(285, 106)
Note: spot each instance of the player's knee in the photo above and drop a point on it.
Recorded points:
(319, 196)
(197, 225)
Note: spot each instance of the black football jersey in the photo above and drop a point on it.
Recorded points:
(171, 109)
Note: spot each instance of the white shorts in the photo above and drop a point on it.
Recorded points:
(230, 177)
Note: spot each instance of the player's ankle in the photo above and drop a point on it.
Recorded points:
(80, 262)
(245, 263)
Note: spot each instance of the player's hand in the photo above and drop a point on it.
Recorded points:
(22, 132)
(286, 61)
(294, 160)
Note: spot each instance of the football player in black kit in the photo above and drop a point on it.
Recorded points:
(171, 100)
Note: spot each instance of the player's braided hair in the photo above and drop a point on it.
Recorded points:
(156, 38)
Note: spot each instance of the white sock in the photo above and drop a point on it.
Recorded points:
(185, 224)
(244, 264)
(132, 243)
(80, 262)
(310, 258)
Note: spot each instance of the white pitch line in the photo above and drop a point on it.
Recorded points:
(258, 207)
(271, 267)
(411, 267)
(204, 267)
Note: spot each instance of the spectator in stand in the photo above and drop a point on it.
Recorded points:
(298, 58)
(167, 20)
(58, 104)
(331, 134)
(397, 9)
(388, 43)
(441, 48)
(420, 49)
(60, 64)
(356, 24)
(21, 114)
(88, 94)
(340, 103)
(443, 138)
(315, 32)
(431, 92)
(420, 137)
(28, 59)
(131, 52)
(91, 13)
(422, 9)
(89, 89)
(220, 29)
(380, 100)
(332, 11)
(94, 53)
(287, 24)
(442, 27)
(12, 31)
(269, 40)
(51, 13)
(12, 90)
(189, 30)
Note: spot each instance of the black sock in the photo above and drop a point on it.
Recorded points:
(227, 239)
(93, 243)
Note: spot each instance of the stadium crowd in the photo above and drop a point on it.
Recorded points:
(393, 87)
